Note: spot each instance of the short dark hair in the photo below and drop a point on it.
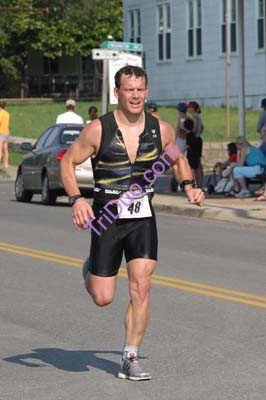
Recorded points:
(130, 70)
(232, 149)
(189, 124)
(92, 108)
(152, 106)
(2, 103)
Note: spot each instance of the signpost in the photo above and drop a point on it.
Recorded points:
(104, 54)
(114, 56)
(123, 46)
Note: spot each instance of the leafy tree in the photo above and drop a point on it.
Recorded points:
(70, 27)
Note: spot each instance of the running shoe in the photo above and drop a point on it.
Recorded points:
(130, 368)
(243, 194)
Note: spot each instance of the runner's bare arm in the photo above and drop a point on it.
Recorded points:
(84, 147)
(180, 165)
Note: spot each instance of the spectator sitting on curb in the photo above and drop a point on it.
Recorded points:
(250, 161)
(225, 167)
(69, 117)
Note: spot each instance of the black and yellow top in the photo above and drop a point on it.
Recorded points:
(112, 169)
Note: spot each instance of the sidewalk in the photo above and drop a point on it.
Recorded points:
(217, 207)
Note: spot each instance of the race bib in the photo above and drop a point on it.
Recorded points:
(138, 207)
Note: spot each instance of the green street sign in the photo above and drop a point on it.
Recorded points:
(123, 46)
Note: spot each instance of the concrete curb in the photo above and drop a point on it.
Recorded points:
(245, 214)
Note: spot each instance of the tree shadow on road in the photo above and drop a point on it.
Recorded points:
(68, 360)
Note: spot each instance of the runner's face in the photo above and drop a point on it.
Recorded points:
(132, 94)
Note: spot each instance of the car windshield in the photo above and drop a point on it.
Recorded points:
(69, 135)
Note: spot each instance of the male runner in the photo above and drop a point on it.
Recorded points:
(123, 146)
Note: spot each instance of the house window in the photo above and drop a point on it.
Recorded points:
(194, 31)
(232, 16)
(261, 23)
(164, 31)
(134, 26)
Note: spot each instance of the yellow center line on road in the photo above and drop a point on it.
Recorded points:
(180, 284)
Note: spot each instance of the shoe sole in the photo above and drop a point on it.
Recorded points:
(121, 375)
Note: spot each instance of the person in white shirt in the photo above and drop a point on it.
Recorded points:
(69, 117)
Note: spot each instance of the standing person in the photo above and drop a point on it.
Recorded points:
(262, 117)
(180, 130)
(124, 146)
(152, 109)
(180, 140)
(193, 155)
(92, 113)
(4, 134)
(194, 110)
(69, 117)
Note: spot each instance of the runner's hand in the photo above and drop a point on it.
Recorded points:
(195, 196)
(81, 213)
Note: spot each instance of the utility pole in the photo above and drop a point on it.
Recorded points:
(227, 65)
(241, 72)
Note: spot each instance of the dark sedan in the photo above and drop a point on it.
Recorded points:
(39, 171)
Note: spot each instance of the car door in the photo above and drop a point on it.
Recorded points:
(32, 163)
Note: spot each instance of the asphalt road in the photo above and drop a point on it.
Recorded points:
(206, 339)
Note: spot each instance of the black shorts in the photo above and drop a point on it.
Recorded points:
(199, 146)
(135, 238)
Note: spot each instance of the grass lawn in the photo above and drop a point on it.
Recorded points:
(30, 120)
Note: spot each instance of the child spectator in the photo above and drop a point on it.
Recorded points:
(226, 166)
(92, 113)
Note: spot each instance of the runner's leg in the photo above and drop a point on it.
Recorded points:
(138, 311)
(101, 288)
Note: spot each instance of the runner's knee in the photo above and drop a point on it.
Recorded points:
(139, 290)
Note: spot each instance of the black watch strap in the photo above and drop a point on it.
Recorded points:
(72, 199)
(187, 182)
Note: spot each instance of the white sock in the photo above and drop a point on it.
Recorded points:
(129, 349)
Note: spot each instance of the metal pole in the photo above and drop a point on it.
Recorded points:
(242, 127)
(105, 83)
(227, 66)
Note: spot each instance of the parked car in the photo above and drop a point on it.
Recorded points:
(39, 171)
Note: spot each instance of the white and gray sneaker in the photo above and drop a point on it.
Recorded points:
(243, 194)
(130, 368)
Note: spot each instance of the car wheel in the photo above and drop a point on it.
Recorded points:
(20, 193)
(48, 196)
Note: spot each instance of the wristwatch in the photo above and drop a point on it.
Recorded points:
(187, 182)
(72, 199)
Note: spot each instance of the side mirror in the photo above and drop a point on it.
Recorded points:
(26, 146)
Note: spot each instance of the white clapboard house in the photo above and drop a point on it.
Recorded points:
(184, 48)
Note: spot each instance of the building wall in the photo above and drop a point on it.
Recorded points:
(202, 79)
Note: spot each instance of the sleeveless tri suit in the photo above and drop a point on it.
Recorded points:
(114, 175)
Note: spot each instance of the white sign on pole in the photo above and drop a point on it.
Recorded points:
(115, 65)
(104, 54)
